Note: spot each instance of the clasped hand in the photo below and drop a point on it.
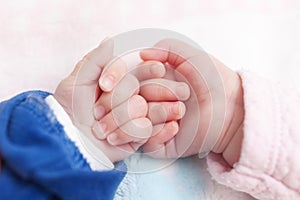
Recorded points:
(162, 105)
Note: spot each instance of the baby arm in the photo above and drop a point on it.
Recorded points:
(255, 150)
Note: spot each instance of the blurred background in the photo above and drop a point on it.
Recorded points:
(40, 41)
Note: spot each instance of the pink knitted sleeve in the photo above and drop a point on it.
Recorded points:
(269, 167)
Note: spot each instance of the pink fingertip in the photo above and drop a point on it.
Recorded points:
(113, 139)
(106, 82)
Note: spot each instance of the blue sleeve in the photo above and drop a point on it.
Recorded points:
(40, 162)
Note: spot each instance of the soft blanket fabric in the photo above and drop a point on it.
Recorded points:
(186, 178)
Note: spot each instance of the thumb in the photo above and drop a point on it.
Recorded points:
(172, 51)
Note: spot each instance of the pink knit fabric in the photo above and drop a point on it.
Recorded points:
(269, 167)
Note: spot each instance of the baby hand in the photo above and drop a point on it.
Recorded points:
(214, 113)
(79, 92)
(118, 124)
(125, 111)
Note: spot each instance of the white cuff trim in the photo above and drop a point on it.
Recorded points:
(97, 160)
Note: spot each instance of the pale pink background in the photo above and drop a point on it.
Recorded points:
(40, 41)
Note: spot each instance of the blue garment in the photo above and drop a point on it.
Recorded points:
(40, 162)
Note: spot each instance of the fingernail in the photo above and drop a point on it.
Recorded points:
(113, 139)
(99, 112)
(181, 107)
(173, 127)
(107, 82)
(99, 130)
(182, 92)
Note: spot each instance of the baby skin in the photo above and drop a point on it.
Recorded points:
(119, 111)
(250, 125)
(157, 105)
(179, 101)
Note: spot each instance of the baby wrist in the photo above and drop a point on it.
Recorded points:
(231, 152)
